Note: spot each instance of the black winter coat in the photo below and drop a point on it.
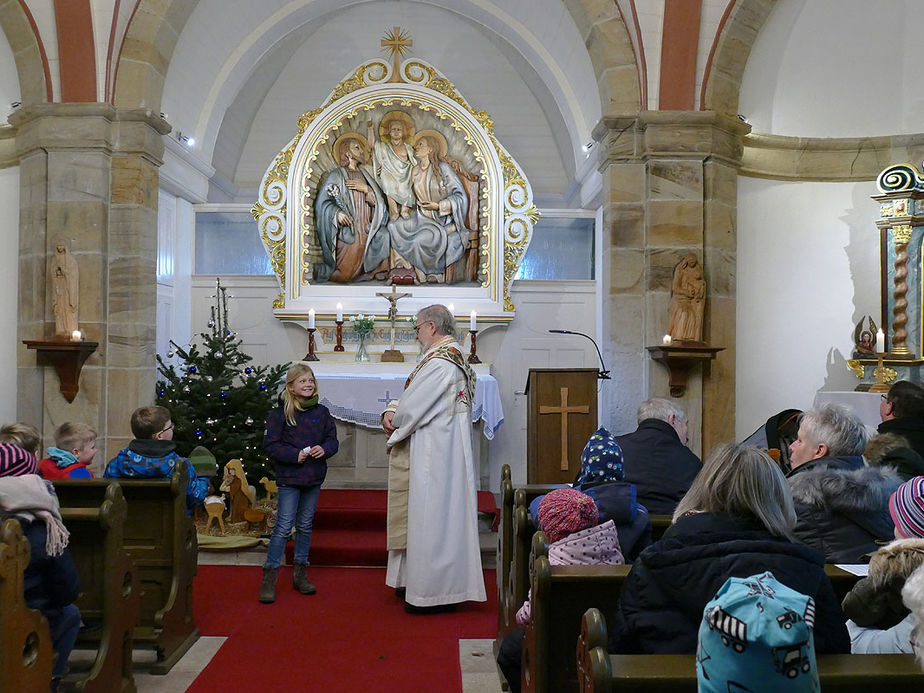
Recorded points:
(661, 467)
(662, 601)
(48, 582)
(911, 429)
(843, 507)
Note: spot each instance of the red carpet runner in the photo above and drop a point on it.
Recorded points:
(352, 636)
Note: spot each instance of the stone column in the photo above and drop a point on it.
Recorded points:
(669, 189)
(89, 173)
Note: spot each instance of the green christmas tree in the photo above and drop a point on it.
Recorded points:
(216, 398)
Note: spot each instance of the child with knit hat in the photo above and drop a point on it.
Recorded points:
(569, 519)
(878, 620)
(50, 582)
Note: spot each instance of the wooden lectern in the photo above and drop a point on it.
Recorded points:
(562, 415)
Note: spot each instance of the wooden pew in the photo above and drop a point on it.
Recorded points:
(160, 538)
(110, 591)
(561, 595)
(26, 653)
(601, 672)
(504, 553)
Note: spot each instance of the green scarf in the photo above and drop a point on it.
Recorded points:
(308, 403)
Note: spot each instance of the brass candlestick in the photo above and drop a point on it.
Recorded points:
(881, 373)
(339, 346)
(311, 356)
(472, 356)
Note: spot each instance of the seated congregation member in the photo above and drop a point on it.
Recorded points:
(879, 621)
(152, 454)
(23, 435)
(894, 450)
(50, 582)
(72, 453)
(569, 519)
(735, 521)
(601, 478)
(656, 458)
(902, 412)
(841, 504)
(913, 596)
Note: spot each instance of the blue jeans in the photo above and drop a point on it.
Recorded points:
(295, 506)
(64, 623)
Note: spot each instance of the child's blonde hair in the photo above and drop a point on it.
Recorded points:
(73, 436)
(22, 435)
(290, 402)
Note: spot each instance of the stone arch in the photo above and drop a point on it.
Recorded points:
(739, 28)
(31, 63)
(148, 46)
(609, 46)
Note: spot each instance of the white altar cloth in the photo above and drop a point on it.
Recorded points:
(359, 394)
(864, 404)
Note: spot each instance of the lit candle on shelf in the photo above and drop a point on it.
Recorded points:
(339, 312)
(880, 341)
(76, 336)
(473, 321)
(311, 319)
(667, 340)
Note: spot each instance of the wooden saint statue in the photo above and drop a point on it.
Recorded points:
(688, 301)
(64, 279)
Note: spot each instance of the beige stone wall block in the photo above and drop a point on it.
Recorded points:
(608, 45)
(587, 13)
(133, 232)
(79, 177)
(720, 227)
(86, 407)
(627, 270)
(619, 90)
(30, 386)
(128, 389)
(625, 225)
(675, 224)
(720, 267)
(657, 303)
(720, 182)
(719, 386)
(137, 136)
(81, 223)
(141, 42)
(131, 345)
(131, 289)
(675, 180)
(31, 73)
(134, 181)
(32, 282)
(626, 329)
(92, 308)
(721, 94)
(624, 183)
(138, 84)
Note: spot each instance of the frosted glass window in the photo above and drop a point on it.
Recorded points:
(229, 243)
(561, 248)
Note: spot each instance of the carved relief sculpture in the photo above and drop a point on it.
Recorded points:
(64, 279)
(688, 301)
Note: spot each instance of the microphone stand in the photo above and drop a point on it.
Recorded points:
(602, 374)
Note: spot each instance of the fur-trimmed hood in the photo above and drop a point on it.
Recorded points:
(848, 491)
(896, 560)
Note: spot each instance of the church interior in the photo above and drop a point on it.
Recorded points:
(750, 134)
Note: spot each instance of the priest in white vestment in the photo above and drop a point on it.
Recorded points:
(433, 547)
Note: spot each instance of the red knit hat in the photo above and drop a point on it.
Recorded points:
(14, 461)
(565, 511)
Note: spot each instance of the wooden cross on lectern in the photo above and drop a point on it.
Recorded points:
(564, 410)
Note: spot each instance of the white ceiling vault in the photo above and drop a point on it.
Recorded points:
(243, 71)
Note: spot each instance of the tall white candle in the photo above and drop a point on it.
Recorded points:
(311, 319)
(339, 312)
(473, 321)
(880, 341)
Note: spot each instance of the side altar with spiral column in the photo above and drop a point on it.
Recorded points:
(901, 253)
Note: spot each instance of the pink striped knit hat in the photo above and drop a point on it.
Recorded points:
(906, 506)
(565, 511)
(14, 461)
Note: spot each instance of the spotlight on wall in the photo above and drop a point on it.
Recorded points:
(16, 104)
(743, 118)
(190, 142)
(587, 147)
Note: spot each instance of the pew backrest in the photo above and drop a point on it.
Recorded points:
(504, 552)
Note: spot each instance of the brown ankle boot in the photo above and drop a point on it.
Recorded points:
(268, 588)
(300, 579)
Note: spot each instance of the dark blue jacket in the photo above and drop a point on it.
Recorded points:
(662, 601)
(155, 459)
(282, 442)
(658, 464)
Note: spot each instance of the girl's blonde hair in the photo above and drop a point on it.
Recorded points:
(290, 402)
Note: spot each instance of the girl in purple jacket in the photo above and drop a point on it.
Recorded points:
(300, 436)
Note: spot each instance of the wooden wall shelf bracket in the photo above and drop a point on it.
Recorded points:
(67, 358)
(680, 359)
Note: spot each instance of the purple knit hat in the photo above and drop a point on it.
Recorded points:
(565, 511)
(906, 506)
(14, 461)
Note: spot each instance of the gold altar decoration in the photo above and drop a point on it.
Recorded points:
(496, 200)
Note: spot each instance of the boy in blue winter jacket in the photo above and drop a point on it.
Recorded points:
(152, 454)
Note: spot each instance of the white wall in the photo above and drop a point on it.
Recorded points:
(808, 270)
(9, 306)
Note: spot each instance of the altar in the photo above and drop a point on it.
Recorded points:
(356, 395)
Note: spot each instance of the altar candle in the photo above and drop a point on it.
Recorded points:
(339, 312)
(311, 319)
(76, 336)
(473, 321)
(667, 340)
(880, 341)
